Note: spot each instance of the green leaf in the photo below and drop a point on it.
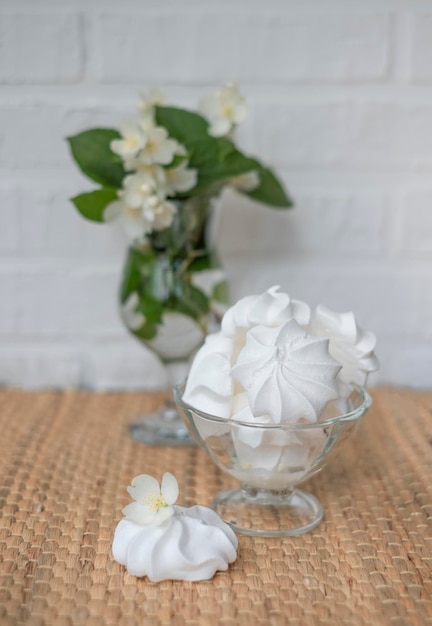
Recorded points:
(185, 126)
(270, 190)
(217, 159)
(92, 204)
(201, 263)
(192, 302)
(232, 163)
(131, 276)
(221, 292)
(151, 308)
(146, 332)
(92, 153)
(177, 160)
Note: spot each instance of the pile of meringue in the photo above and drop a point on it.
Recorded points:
(273, 361)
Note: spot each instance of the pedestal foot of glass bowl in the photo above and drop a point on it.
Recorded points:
(162, 428)
(268, 513)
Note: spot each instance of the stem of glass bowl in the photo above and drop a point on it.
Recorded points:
(262, 495)
(267, 512)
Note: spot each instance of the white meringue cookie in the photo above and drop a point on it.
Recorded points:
(271, 308)
(192, 545)
(281, 457)
(272, 451)
(209, 386)
(349, 344)
(286, 374)
(241, 411)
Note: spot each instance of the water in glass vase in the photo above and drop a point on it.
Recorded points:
(173, 293)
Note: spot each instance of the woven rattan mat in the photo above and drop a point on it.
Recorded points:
(66, 459)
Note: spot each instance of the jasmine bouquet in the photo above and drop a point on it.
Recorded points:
(159, 175)
(167, 154)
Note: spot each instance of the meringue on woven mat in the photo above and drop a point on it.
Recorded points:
(166, 542)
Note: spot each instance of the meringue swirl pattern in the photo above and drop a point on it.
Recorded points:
(286, 375)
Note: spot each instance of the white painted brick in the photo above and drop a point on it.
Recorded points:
(338, 133)
(416, 224)
(422, 309)
(328, 224)
(405, 363)
(58, 302)
(131, 366)
(43, 129)
(391, 134)
(10, 309)
(49, 224)
(217, 45)
(421, 47)
(9, 230)
(43, 367)
(383, 299)
(344, 225)
(39, 48)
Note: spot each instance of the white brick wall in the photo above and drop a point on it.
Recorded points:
(41, 48)
(340, 94)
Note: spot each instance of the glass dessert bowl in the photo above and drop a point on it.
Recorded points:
(270, 460)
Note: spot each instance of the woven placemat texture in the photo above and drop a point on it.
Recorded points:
(66, 459)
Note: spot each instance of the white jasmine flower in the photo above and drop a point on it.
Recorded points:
(133, 139)
(349, 344)
(158, 148)
(157, 175)
(140, 206)
(147, 104)
(158, 214)
(130, 314)
(137, 188)
(224, 109)
(246, 182)
(153, 503)
(132, 219)
(180, 178)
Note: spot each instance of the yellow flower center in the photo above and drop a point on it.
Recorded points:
(155, 500)
(131, 142)
(152, 146)
(227, 111)
(132, 212)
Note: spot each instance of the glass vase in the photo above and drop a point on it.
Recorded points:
(173, 293)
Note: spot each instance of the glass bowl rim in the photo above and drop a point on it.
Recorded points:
(366, 402)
